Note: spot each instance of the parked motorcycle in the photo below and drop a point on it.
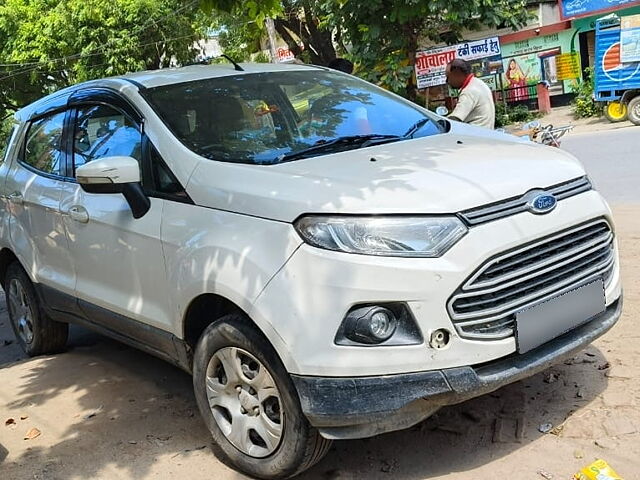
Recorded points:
(546, 135)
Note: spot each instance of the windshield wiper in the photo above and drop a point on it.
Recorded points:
(415, 127)
(357, 141)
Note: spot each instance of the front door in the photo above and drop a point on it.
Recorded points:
(119, 260)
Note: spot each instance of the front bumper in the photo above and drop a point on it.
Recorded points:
(345, 408)
(303, 305)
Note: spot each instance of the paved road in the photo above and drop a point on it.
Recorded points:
(612, 159)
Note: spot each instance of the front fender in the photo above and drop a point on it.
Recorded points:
(228, 254)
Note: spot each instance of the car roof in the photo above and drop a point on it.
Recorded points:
(168, 76)
(158, 78)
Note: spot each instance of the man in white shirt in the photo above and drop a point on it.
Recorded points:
(475, 103)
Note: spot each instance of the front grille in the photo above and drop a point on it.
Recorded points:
(484, 306)
(514, 205)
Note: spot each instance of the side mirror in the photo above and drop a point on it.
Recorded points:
(108, 171)
(442, 111)
(115, 175)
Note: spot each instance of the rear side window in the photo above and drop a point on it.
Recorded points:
(43, 148)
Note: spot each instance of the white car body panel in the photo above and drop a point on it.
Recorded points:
(36, 228)
(119, 260)
(409, 177)
(213, 251)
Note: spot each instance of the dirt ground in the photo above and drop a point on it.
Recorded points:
(106, 411)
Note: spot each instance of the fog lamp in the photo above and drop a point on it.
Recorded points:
(370, 325)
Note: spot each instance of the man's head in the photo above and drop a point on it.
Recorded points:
(457, 72)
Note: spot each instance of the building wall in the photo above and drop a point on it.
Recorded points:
(535, 58)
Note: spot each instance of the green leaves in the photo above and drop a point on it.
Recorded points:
(385, 34)
(584, 104)
(49, 44)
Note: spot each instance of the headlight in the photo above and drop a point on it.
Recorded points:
(391, 236)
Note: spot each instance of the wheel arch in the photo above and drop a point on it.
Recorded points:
(628, 96)
(7, 257)
(207, 308)
(202, 311)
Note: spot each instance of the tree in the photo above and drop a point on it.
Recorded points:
(385, 34)
(297, 22)
(49, 44)
(301, 19)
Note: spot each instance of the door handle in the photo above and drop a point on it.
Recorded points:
(15, 198)
(79, 214)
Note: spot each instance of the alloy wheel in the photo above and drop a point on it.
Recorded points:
(21, 311)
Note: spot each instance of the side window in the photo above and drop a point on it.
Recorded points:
(43, 148)
(163, 179)
(102, 131)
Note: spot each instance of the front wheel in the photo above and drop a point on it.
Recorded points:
(250, 404)
(634, 110)
(615, 111)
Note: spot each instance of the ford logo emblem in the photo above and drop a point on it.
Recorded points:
(541, 202)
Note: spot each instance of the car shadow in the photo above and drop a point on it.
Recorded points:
(126, 409)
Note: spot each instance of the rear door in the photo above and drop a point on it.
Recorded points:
(33, 190)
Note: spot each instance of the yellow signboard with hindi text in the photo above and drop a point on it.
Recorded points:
(567, 66)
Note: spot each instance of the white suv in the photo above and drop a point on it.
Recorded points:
(329, 260)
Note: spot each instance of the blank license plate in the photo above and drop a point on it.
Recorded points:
(550, 319)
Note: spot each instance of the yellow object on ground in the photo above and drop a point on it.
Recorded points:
(598, 470)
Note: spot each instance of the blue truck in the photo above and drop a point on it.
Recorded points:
(616, 83)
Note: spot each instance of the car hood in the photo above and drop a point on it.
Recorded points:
(464, 168)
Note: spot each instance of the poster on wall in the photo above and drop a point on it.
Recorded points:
(585, 8)
(522, 70)
(567, 66)
(484, 55)
(630, 39)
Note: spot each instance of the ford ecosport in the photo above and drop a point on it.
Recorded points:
(329, 260)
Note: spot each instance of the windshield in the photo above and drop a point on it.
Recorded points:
(267, 118)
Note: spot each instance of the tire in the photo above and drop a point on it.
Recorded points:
(615, 112)
(36, 333)
(634, 110)
(232, 351)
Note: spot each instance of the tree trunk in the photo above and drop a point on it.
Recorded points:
(316, 42)
(411, 35)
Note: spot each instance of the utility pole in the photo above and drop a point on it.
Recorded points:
(271, 32)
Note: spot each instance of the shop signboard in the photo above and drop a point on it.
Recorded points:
(484, 55)
(585, 8)
(284, 55)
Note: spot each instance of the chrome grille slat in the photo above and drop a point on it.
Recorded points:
(471, 330)
(540, 268)
(514, 205)
(554, 243)
(602, 264)
(576, 280)
(484, 306)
